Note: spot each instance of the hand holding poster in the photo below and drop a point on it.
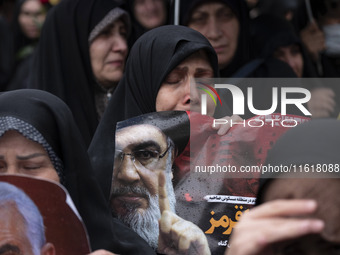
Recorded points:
(214, 201)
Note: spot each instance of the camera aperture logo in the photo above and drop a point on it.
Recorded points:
(204, 96)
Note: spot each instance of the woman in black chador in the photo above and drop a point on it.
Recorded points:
(81, 57)
(44, 119)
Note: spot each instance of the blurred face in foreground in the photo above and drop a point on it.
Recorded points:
(325, 192)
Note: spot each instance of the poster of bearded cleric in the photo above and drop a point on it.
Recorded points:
(164, 184)
(235, 125)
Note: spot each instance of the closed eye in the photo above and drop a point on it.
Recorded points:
(31, 167)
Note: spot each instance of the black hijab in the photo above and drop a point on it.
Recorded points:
(62, 61)
(22, 48)
(20, 39)
(269, 32)
(152, 58)
(137, 28)
(314, 142)
(301, 19)
(277, 8)
(6, 53)
(239, 7)
(54, 121)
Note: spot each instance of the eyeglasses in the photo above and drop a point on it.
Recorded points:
(141, 158)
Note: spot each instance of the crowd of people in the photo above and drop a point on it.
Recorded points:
(97, 95)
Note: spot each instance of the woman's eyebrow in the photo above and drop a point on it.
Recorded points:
(30, 156)
(180, 69)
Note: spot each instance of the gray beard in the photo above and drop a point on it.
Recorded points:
(145, 223)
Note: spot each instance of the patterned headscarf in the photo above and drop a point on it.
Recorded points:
(27, 130)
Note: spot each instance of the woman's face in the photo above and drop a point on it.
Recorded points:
(150, 13)
(218, 23)
(178, 90)
(292, 56)
(32, 16)
(19, 155)
(108, 52)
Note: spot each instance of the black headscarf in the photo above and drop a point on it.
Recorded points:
(301, 19)
(314, 142)
(6, 53)
(20, 39)
(277, 8)
(269, 32)
(239, 7)
(152, 58)
(137, 28)
(62, 62)
(54, 121)
(23, 48)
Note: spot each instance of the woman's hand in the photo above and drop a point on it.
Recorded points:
(322, 102)
(270, 223)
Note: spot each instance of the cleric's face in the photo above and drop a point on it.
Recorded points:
(141, 152)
